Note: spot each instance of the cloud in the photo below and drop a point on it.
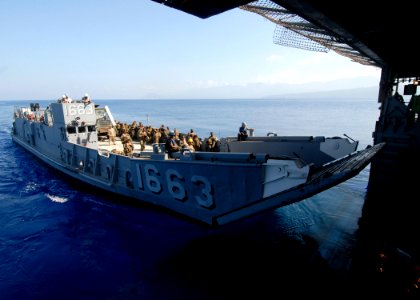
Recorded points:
(290, 75)
(313, 59)
(275, 58)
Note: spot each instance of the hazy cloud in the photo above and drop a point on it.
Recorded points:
(315, 59)
(275, 58)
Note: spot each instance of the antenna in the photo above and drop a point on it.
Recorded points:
(348, 137)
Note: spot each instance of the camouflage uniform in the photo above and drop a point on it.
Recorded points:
(197, 143)
(211, 144)
(111, 135)
(127, 144)
(142, 137)
(156, 135)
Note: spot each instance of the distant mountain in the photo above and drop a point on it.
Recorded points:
(360, 87)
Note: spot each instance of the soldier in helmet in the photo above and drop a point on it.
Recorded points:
(142, 136)
(127, 143)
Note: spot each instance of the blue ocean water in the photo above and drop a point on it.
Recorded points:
(60, 239)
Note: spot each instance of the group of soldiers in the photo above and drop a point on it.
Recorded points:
(146, 135)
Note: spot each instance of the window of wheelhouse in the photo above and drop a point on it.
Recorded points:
(71, 129)
(81, 129)
(91, 128)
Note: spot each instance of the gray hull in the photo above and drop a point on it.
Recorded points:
(215, 188)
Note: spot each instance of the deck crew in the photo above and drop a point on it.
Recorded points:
(86, 99)
(243, 132)
(65, 99)
(171, 145)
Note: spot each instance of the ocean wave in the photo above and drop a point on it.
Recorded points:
(57, 198)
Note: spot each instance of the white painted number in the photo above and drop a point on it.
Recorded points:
(175, 187)
(152, 181)
(206, 197)
(79, 109)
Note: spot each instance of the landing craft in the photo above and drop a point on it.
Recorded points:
(243, 178)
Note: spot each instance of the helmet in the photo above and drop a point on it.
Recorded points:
(86, 95)
(190, 140)
(171, 133)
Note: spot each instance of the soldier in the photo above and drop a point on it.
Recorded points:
(197, 143)
(177, 137)
(133, 130)
(118, 128)
(127, 143)
(149, 131)
(164, 132)
(190, 144)
(142, 136)
(112, 135)
(191, 133)
(156, 135)
(211, 144)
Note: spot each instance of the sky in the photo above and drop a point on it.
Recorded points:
(136, 49)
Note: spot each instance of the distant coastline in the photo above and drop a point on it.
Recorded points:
(365, 93)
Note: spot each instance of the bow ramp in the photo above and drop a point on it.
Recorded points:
(319, 179)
